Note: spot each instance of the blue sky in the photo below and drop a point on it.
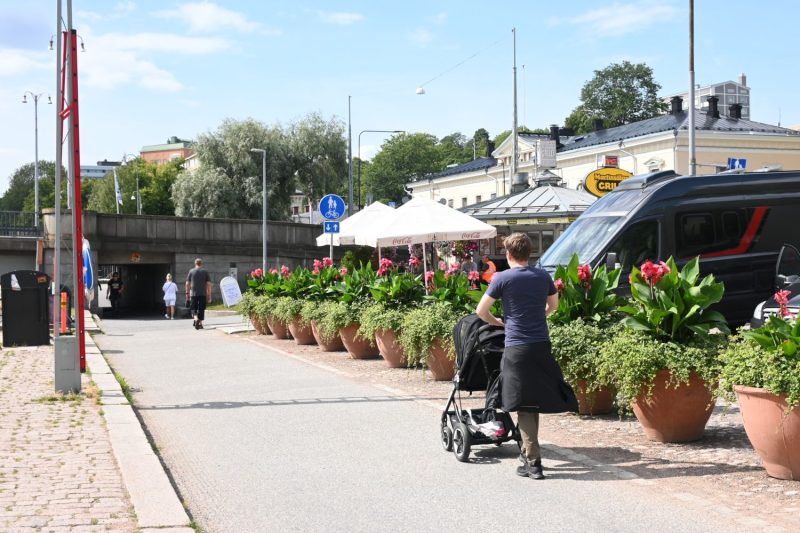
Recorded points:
(153, 69)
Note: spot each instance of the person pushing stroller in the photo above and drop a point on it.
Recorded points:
(531, 380)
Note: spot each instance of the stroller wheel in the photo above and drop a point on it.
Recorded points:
(447, 438)
(461, 442)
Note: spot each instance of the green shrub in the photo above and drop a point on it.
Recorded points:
(585, 293)
(378, 317)
(576, 347)
(332, 317)
(423, 325)
(263, 306)
(286, 309)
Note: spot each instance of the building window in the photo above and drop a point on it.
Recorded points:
(477, 198)
(463, 202)
(295, 210)
(449, 203)
(493, 195)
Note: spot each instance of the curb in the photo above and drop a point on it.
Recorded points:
(154, 499)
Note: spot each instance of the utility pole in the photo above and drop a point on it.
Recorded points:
(692, 140)
(514, 140)
(349, 163)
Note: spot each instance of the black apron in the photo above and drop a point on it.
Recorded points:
(533, 381)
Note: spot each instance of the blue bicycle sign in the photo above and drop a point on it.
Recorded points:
(331, 207)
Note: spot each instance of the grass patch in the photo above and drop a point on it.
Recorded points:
(126, 389)
(218, 306)
(58, 397)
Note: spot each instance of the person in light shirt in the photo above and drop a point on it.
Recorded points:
(170, 295)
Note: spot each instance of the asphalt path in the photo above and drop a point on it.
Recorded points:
(259, 441)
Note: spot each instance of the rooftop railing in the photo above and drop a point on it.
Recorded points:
(18, 224)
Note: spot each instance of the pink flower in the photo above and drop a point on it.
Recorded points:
(652, 272)
(258, 273)
(474, 275)
(317, 264)
(453, 268)
(782, 297)
(585, 275)
(284, 271)
(386, 263)
(442, 265)
(428, 276)
(273, 270)
(343, 271)
(413, 261)
(559, 283)
(315, 271)
(327, 262)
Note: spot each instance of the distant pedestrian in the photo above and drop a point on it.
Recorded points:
(170, 295)
(531, 380)
(489, 269)
(198, 290)
(469, 265)
(114, 290)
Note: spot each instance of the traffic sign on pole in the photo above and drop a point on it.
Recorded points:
(331, 207)
(330, 227)
(736, 164)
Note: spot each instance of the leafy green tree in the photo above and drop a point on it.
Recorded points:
(402, 158)
(20, 187)
(453, 149)
(619, 94)
(319, 153)
(155, 187)
(481, 140)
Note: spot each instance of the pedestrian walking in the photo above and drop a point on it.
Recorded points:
(114, 290)
(198, 290)
(170, 295)
(531, 380)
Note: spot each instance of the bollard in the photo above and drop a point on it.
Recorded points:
(63, 312)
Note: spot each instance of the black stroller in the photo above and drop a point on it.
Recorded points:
(479, 348)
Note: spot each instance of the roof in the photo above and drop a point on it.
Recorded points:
(541, 201)
(662, 123)
(164, 147)
(481, 163)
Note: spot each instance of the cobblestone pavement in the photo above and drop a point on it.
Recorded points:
(57, 470)
(721, 470)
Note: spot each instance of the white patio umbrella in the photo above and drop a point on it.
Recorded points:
(367, 217)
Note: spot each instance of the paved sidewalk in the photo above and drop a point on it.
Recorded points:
(57, 468)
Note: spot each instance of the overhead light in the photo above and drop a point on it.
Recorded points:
(24, 98)
(49, 100)
(420, 90)
(51, 43)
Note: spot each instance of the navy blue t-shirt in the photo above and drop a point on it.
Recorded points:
(524, 293)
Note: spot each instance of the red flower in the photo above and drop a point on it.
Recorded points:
(585, 275)
(474, 275)
(413, 261)
(343, 271)
(652, 273)
(284, 271)
(273, 270)
(559, 283)
(782, 297)
(315, 271)
(317, 265)
(453, 268)
(442, 265)
(428, 276)
(327, 262)
(257, 273)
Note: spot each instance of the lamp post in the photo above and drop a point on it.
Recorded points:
(138, 196)
(36, 150)
(264, 206)
(359, 155)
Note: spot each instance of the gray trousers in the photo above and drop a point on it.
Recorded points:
(529, 427)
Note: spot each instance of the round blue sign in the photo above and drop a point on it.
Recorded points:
(331, 207)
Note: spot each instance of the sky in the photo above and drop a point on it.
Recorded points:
(154, 69)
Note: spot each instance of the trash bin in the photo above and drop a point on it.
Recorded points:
(25, 297)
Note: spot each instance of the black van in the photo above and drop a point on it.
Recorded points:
(736, 222)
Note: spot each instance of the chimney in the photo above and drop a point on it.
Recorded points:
(676, 105)
(597, 124)
(743, 79)
(735, 111)
(554, 135)
(713, 110)
(489, 148)
(519, 182)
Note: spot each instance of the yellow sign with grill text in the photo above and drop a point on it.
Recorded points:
(604, 180)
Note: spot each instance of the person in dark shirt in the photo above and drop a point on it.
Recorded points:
(198, 292)
(114, 291)
(531, 380)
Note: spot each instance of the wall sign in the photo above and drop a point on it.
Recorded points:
(604, 180)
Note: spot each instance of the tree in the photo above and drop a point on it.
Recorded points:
(619, 94)
(319, 154)
(402, 158)
(20, 187)
(155, 187)
(481, 140)
(228, 183)
(453, 149)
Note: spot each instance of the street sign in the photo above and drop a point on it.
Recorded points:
(330, 227)
(331, 207)
(736, 164)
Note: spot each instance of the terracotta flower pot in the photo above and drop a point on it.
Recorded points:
(674, 414)
(441, 366)
(257, 324)
(390, 348)
(594, 402)
(278, 328)
(774, 434)
(357, 347)
(329, 345)
(301, 333)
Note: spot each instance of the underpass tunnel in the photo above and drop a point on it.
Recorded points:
(142, 288)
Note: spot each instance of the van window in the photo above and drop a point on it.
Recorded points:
(710, 231)
(637, 243)
(586, 237)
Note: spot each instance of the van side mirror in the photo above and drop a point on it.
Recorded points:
(611, 261)
(787, 270)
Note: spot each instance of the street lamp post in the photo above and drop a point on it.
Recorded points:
(264, 206)
(359, 155)
(36, 150)
(138, 196)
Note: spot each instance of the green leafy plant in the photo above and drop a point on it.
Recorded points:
(332, 317)
(576, 347)
(310, 311)
(585, 293)
(425, 324)
(454, 289)
(263, 306)
(671, 305)
(398, 288)
(781, 331)
(379, 316)
(763, 365)
(247, 304)
(354, 285)
(631, 359)
(286, 309)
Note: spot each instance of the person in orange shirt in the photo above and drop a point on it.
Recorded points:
(489, 269)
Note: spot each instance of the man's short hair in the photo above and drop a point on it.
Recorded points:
(518, 246)
(198, 261)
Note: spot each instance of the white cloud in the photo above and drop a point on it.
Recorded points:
(161, 42)
(620, 19)
(120, 10)
(15, 62)
(340, 18)
(208, 17)
(421, 37)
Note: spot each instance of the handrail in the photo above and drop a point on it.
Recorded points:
(18, 224)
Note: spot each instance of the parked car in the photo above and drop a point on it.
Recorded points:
(735, 222)
(787, 277)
